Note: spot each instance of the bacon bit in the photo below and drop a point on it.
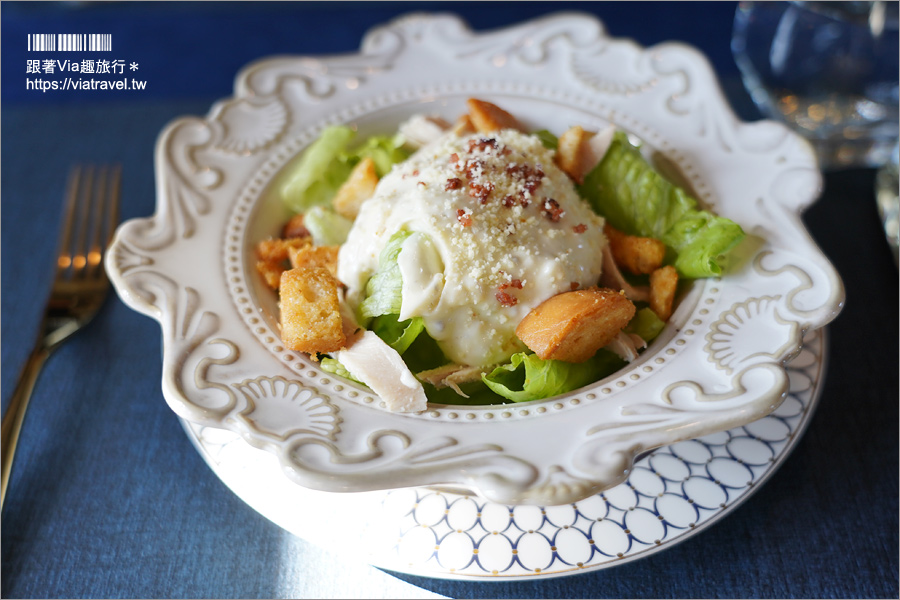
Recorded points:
(552, 211)
(481, 191)
(454, 158)
(509, 201)
(505, 299)
(454, 183)
(531, 178)
(463, 217)
(422, 183)
(473, 165)
(415, 172)
(482, 144)
(580, 228)
(574, 285)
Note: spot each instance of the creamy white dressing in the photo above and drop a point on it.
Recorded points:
(423, 276)
(485, 260)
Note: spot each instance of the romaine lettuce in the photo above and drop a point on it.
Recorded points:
(383, 290)
(326, 227)
(384, 151)
(320, 172)
(645, 324)
(397, 334)
(548, 139)
(334, 366)
(327, 164)
(528, 377)
(633, 197)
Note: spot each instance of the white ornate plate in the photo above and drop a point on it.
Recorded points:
(671, 494)
(719, 363)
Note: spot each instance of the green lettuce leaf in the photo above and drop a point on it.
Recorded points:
(646, 324)
(335, 367)
(633, 197)
(326, 227)
(327, 164)
(383, 290)
(320, 172)
(478, 395)
(527, 377)
(399, 335)
(547, 138)
(383, 150)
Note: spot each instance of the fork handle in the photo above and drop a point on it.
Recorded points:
(15, 413)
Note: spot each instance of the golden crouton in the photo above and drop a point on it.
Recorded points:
(572, 326)
(276, 249)
(640, 255)
(463, 126)
(573, 153)
(487, 117)
(315, 256)
(663, 282)
(273, 255)
(360, 186)
(294, 228)
(271, 272)
(310, 311)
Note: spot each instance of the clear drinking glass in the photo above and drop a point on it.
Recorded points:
(827, 69)
(887, 195)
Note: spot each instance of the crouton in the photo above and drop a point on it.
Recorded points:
(579, 151)
(572, 326)
(487, 117)
(310, 311)
(463, 126)
(276, 249)
(359, 187)
(639, 255)
(271, 272)
(572, 153)
(295, 228)
(315, 256)
(663, 283)
(273, 255)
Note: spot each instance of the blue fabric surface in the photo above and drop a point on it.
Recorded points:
(108, 497)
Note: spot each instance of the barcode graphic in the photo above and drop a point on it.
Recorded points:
(69, 42)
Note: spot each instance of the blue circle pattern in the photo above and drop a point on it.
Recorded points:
(690, 485)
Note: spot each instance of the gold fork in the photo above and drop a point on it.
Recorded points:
(79, 287)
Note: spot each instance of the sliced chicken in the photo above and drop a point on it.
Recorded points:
(452, 376)
(370, 360)
(626, 345)
(612, 277)
(421, 130)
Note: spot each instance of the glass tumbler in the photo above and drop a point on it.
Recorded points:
(827, 69)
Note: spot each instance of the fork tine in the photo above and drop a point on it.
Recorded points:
(64, 254)
(85, 202)
(105, 218)
(93, 254)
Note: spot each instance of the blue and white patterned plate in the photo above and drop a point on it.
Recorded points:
(670, 494)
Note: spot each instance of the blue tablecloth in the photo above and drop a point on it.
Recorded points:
(108, 497)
